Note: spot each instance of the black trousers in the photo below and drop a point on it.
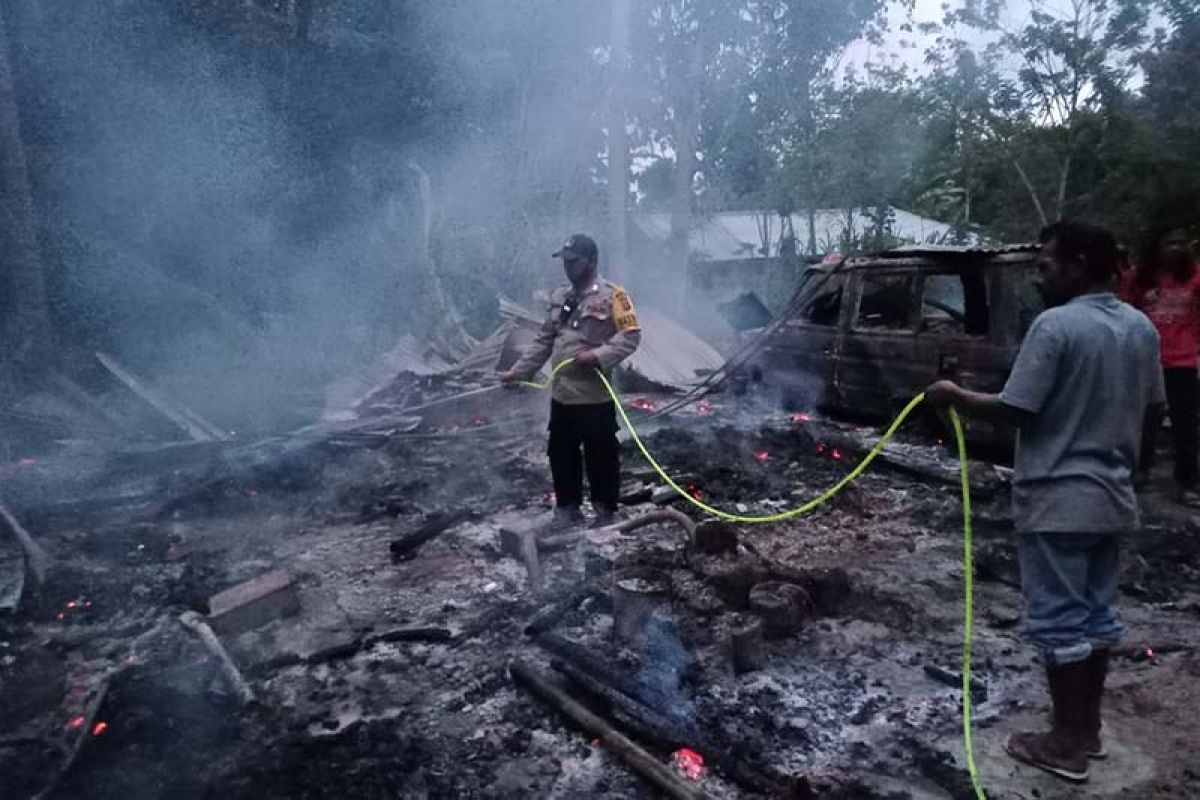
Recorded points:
(1183, 405)
(591, 429)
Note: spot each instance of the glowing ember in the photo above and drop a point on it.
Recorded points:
(641, 404)
(801, 418)
(73, 607)
(821, 449)
(1149, 652)
(837, 455)
(761, 456)
(704, 408)
(76, 723)
(99, 728)
(690, 763)
(696, 493)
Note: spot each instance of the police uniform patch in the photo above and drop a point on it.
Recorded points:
(623, 312)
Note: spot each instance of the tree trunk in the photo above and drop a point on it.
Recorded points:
(26, 319)
(812, 228)
(687, 134)
(965, 149)
(616, 263)
(1064, 175)
(1033, 195)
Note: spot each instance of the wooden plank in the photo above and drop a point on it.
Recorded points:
(191, 423)
(35, 557)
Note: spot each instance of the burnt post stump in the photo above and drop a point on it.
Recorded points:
(714, 537)
(746, 645)
(782, 607)
(732, 578)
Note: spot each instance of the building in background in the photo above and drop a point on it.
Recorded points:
(762, 252)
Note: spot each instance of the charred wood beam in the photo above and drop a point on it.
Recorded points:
(97, 409)
(411, 635)
(85, 733)
(613, 740)
(661, 731)
(187, 420)
(404, 548)
(35, 557)
(340, 652)
(529, 554)
(649, 725)
(548, 617)
(1145, 653)
(591, 664)
(602, 670)
(194, 623)
(490, 621)
(952, 679)
(441, 401)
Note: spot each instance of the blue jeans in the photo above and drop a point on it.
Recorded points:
(1070, 585)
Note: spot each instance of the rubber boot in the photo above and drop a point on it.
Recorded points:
(1060, 751)
(1097, 663)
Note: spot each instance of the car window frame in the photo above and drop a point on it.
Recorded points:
(858, 281)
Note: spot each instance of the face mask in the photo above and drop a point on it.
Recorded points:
(577, 269)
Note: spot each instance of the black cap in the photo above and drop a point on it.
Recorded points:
(579, 245)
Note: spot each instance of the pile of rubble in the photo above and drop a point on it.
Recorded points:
(369, 607)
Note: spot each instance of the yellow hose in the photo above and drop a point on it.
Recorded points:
(968, 565)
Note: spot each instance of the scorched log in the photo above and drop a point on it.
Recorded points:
(404, 548)
(613, 740)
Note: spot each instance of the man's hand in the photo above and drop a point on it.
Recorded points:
(509, 377)
(587, 358)
(944, 394)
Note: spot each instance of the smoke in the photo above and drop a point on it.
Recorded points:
(235, 213)
(664, 660)
(239, 214)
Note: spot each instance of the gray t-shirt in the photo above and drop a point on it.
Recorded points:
(1086, 373)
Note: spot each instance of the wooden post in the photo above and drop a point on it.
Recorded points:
(616, 261)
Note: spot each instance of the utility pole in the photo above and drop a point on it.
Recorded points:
(617, 260)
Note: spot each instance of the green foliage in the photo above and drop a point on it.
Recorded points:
(205, 164)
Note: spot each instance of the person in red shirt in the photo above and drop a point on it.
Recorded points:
(1165, 285)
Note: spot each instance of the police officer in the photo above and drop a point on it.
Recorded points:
(593, 322)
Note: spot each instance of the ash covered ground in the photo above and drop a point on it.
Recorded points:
(391, 678)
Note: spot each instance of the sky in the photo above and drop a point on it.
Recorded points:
(902, 48)
(908, 48)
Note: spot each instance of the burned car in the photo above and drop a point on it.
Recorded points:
(867, 333)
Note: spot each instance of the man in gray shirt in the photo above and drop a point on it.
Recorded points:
(1082, 382)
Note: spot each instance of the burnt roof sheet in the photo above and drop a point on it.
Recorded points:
(945, 249)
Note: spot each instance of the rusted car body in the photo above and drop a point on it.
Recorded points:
(868, 333)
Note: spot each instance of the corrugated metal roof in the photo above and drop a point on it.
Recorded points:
(945, 249)
(730, 235)
(670, 355)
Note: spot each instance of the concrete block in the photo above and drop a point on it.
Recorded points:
(254, 603)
